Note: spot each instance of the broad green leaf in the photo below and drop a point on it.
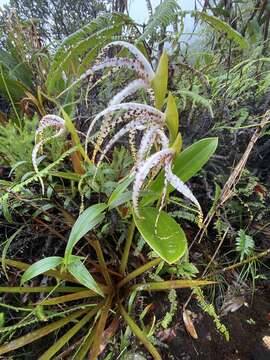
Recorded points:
(80, 272)
(222, 26)
(121, 199)
(85, 222)
(160, 81)
(41, 267)
(188, 163)
(166, 238)
(172, 120)
(118, 191)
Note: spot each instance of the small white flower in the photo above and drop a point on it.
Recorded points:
(139, 64)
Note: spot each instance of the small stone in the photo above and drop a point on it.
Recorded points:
(266, 342)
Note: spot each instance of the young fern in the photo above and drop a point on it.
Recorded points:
(210, 310)
(244, 244)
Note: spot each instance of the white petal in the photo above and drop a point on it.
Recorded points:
(146, 143)
(143, 171)
(179, 185)
(128, 90)
(163, 139)
(137, 53)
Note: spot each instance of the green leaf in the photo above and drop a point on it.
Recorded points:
(188, 163)
(85, 222)
(80, 272)
(222, 26)
(165, 14)
(160, 80)
(167, 239)
(118, 191)
(6, 247)
(71, 128)
(41, 267)
(172, 120)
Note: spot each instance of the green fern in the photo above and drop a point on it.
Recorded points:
(16, 146)
(84, 44)
(223, 27)
(244, 244)
(21, 186)
(164, 14)
(210, 310)
(166, 321)
(197, 99)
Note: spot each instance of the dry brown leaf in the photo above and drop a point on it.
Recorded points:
(233, 305)
(189, 324)
(167, 335)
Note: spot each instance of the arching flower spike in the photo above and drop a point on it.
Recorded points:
(139, 64)
(128, 112)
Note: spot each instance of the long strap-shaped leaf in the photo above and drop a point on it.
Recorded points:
(99, 329)
(37, 334)
(171, 284)
(140, 335)
(54, 273)
(68, 335)
(70, 297)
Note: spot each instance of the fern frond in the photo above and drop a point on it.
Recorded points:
(85, 42)
(164, 15)
(223, 27)
(197, 99)
(210, 310)
(244, 244)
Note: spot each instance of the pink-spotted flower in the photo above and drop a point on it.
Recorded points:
(138, 63)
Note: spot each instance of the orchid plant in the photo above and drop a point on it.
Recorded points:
(160, 166)
(161, 141)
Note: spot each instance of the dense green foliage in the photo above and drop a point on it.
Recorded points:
(99, 142)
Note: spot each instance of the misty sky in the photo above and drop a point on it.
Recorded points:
(138, 9)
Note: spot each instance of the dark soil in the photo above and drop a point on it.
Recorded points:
(247, 327)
